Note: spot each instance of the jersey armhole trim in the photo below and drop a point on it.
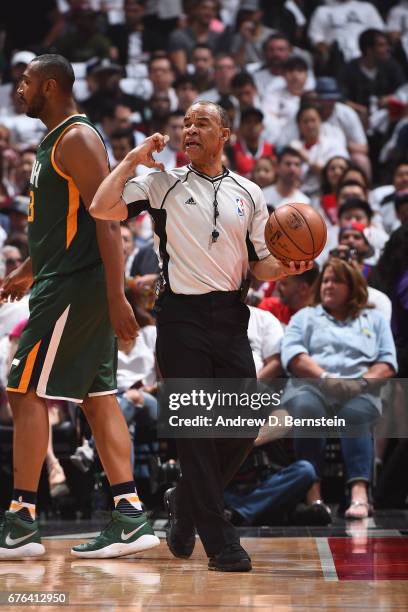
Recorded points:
(58, 170)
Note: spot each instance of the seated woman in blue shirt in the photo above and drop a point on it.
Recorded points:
(339, 339)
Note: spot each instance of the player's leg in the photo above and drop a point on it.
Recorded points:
(19, 535)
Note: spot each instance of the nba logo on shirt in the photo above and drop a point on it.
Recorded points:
(240, 206)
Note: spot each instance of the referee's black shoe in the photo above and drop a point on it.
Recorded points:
(180, 538)
(232, 558)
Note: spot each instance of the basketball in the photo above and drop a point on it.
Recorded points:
(295, 232)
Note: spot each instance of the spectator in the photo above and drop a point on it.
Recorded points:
(186, 91)
(382, 199)
(265, 334)
(397, 21)
(224, 71)
(202, 61)
(332, 109)
(172, 155)
(106, 76)
(364, 350)
(159, 108)
(292, 296)
(349, 188)
(161, 75)
(122, 141)
(288, 178)
(251, 33)
(371, 76)
(338, 27)
(182, 41)
(250, 146)
(17, 212)
(401, 206)
(24, 131)
(84, 41)
(244, 90)
(393, 272)
(132, 40)
(264, 172)
(316, 146)
(331, 174)
(18, 64)
(277, 51)
(354, 209)
(281, 108)
(23, 171)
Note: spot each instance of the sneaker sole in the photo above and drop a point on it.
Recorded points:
(28, 550)
(174, 551)
(145, 542)
(233, 567)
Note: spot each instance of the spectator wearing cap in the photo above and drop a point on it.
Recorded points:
(250, 146)
(183, 40)
(335, 112)
(375, 74)
(84, 41)
(18, 64)
(281, 108)
(132, 40)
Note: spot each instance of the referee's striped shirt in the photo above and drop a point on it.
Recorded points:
(181, 202)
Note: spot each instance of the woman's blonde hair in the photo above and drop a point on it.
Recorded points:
(346, 273)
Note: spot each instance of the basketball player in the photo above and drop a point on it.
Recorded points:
(210, 223)
(68, 348)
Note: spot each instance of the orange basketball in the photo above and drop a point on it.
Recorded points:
(295, 232)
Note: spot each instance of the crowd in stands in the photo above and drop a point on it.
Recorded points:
(317, 95)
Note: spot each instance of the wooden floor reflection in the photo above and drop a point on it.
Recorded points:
(289, 574)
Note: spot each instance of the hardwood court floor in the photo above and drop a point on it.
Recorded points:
(325, 574)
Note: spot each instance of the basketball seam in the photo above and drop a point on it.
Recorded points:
(308, 227)
(288, 237)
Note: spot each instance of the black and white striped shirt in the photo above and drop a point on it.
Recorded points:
(181, 202)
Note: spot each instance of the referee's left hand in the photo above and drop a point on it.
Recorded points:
(296, 267)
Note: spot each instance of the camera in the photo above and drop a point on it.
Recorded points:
(347, 254)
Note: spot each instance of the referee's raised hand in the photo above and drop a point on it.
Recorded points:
(144, 152)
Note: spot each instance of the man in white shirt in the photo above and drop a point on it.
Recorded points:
(286, 189)
(342, 23)
(265, 334)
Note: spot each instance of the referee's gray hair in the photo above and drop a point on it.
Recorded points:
(224, 117)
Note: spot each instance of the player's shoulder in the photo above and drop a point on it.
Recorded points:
(252, 188)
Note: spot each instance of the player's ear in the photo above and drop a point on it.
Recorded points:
(226, 132)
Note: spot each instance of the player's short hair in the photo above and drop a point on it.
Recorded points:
(224, 117)
(57, 67)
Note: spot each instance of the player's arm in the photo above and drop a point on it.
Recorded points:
(82, 156)
(16, 284)
(107, 202)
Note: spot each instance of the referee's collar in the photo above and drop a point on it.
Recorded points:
(212, 179)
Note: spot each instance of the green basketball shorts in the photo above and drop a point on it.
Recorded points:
(68, 349)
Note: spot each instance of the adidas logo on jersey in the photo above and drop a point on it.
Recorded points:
(190, 201)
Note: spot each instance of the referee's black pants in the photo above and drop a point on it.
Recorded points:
(205, 336)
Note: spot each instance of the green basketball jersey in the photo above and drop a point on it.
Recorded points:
(61, 232)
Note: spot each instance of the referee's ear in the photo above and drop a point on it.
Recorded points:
(225, 134)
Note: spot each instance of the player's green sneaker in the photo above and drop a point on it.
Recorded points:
(122, 536)
(19, 538)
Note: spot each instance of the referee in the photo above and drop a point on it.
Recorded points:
(209, 224)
